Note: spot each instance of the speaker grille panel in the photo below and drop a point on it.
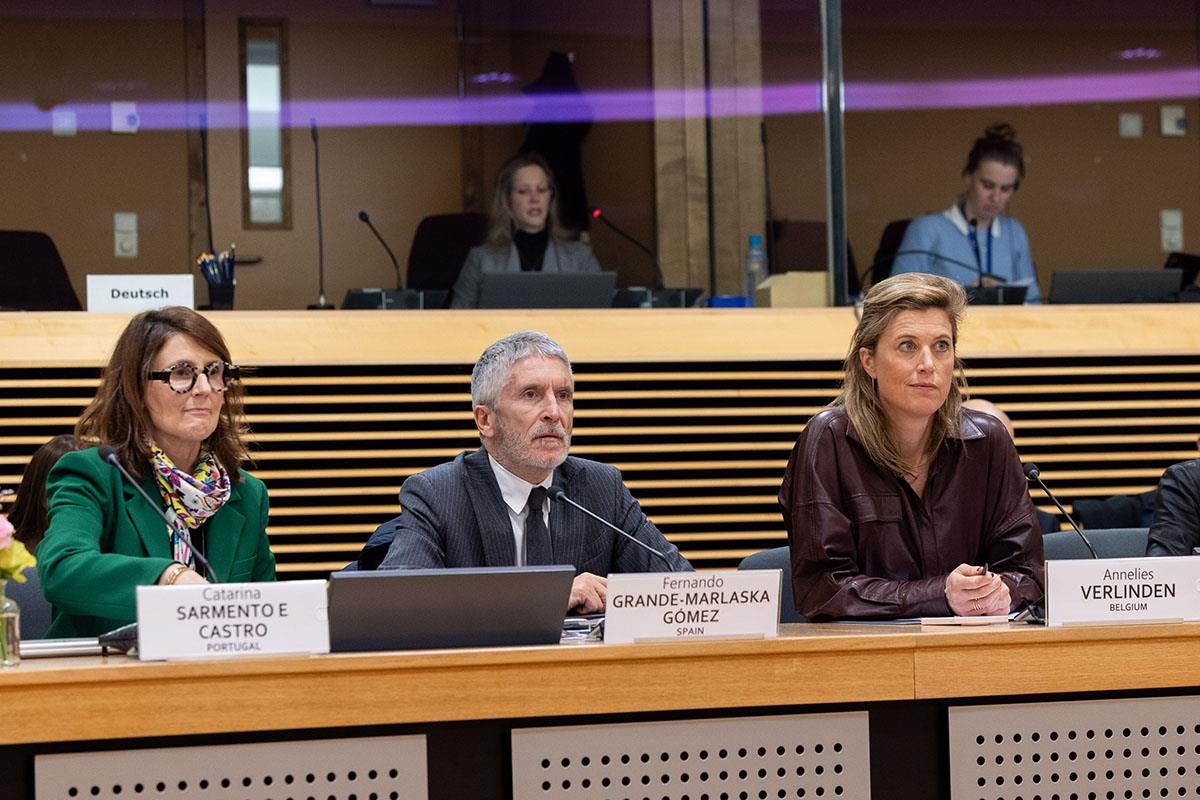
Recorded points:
(1080, 750)
(807, 756)
(379, 768)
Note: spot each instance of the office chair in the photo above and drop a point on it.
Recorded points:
(779, 558)
(35, 609)
(1116, 511)
(440, 246)
(32, 274)
(889, 245)
(1109, 543)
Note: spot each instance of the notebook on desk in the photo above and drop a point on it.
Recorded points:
(547, 289)
(465, 607)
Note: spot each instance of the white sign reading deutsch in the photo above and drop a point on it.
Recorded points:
(1122, 590)
(666, 606)
(231, 619)
(139, 292)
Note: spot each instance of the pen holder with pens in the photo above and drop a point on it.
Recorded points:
(217, 271)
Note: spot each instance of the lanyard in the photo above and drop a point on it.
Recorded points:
(973, 234)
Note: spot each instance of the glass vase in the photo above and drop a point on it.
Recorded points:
(10, 629)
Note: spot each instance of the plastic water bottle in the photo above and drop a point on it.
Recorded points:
(756, 265)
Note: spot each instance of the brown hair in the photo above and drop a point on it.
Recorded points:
(118, 416)
(912, 291)
(998, 143)
(501, 224)
(28, 512)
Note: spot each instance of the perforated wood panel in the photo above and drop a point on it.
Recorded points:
(379, 768)
(1070, 751)
(813, 755)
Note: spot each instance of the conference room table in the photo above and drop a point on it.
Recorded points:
(468, 702)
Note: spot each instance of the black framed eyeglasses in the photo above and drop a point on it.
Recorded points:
(182, 377)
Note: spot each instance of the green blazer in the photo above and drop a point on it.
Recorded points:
(104, 540)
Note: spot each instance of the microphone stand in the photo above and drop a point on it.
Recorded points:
(365, 217)
(658, 273)
(320, 305)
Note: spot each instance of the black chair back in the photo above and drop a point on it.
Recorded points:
(35, 610)
(440, 247)
(889, 245)
(779, 558)
(32, 274)
(1109, 543)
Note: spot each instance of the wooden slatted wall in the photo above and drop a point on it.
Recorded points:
(703, 446)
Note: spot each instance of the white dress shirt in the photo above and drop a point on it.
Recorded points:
(515, 492)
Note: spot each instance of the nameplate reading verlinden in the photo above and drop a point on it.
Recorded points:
(1122, 590)
(232, 619)
(662, 606)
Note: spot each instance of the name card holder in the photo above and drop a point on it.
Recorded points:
(132, 293)
(669, 606)
(1107, 590)
(232, 619)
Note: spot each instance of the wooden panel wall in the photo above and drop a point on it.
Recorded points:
(701, 431)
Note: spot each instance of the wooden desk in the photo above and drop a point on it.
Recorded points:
(905, 678)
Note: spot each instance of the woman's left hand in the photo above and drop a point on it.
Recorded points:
(973, 592)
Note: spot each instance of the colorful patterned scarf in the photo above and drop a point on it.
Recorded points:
(194, 498)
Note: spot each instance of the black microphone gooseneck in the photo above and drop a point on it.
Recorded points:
(869, 272)
(365, 217)
(320, 305)
(599, 214)
(557, 493)
(1034, 474)
(169, 516)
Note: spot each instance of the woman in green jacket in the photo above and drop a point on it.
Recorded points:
(169, 408)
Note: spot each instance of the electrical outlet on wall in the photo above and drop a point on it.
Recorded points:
(1171, 225)
(125, 234)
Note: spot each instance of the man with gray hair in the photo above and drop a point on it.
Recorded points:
(490, 507)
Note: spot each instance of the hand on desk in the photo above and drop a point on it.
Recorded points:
(973, 591)
(588, 594)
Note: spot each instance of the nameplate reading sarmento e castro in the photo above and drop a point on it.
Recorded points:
(662, 606)
(232, 619)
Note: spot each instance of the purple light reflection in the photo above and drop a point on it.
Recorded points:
(621, 106)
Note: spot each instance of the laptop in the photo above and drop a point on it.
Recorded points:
(1115, 285)
(547, 289)
(415, 609)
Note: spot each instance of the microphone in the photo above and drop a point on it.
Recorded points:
(975, 294)
(597, 213)
(320, 305)
(1034, 474)
(396, 264)
(109, 455)
(556, 493)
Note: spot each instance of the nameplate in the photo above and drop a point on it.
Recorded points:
(232, 619)
(661, 606)
(1122, 590)
(139, 292)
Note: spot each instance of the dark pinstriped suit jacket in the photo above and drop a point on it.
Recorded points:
(454, 516)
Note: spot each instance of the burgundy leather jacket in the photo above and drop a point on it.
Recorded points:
(864, 545)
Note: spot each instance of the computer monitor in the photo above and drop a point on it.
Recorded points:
(412, 609)
(1115, 285)
(547, 289)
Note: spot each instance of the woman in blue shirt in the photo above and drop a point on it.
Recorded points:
(972, 242)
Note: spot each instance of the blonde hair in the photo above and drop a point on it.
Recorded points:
(501, 225)
(912, 291)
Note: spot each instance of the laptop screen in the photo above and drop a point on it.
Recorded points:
(462, 607)
(547, 289)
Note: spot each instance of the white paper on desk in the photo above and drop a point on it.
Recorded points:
(934, 620)
(992, 620)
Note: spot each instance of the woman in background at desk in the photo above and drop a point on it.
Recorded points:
(990, 248)
(525, 235)
(169, 406)
(898, 503)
